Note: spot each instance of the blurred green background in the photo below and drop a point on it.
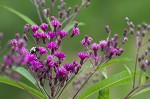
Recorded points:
(95, 17)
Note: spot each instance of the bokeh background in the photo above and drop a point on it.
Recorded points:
(95, 17)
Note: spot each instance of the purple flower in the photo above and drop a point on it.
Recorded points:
(55, 23)
(51, 34)
(97, 58)
(113, 50)
(60, 55)
(14, 42)
(103, 43)
(82, 55)
(52, 46)
(42, 50)
(30, 57)
(7, 60)
(34, 28)
(62, 33)
(95, 46)
(36, 65)
(51, 64)
(43, 35)
(44, 26)
(49, 58)
(75, 31)
(69, 67)
(86, 41)
(61, 71)
(37, 34)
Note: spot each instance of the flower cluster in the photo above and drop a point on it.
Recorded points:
(52, 67)
(104, 50)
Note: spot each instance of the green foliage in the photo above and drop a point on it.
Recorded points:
(21, 85)
(117, 78)
(24, 17)
(113, 62)
(22, 71)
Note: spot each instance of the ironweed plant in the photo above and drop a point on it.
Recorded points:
(44, 66)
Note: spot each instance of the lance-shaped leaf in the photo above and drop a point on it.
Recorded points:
(117, 78)
(21, 85)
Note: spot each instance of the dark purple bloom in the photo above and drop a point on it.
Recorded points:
(61, 71)
(97, 58)
(42, 50)
(103, 43)
(62, 33)
(75, 31)
(86, 41)
(37, 34)
(30, 57)
(52, 46)
(113, 50)
(55, 23)
(14, 42)
(43, 35)
(69, 67)
(34, 28)
(44, 26)
(95, 46)
(60, 55)
(51, 34)
(49, 58)
(51, 64)
(8, 60)
(82, 55)
(36, 65)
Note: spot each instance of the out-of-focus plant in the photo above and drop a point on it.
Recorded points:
(43, 64)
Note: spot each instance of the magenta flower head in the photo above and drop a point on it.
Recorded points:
(82, 56)
(30, 57)
(62, 33)
(103, 43)
(95, 46)
(42, 50)
(8, 60)
(60, 55)
(86, 41)
(51, 35)
(113, 51)
(55, 23)
(34, 28)
(43, 35)
(37, 34)
(61, 72)
(44, 26)
(97, 58)
(49, 58)
(75, 31)
(69, 67)
(36, 65)
(14, 42)
(53, 46)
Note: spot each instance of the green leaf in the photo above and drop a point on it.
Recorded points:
(104, 94)
(21, 85)
(113, 62)
(72, 25)
(24, 17)
(105, 84)
(22, 71)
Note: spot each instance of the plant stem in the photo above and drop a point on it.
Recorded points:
(130, 93)
(135, 66)
(38, 11)
(83, 84)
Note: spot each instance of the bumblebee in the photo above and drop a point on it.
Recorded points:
(33, 50)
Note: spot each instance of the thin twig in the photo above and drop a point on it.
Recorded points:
(38, 11)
